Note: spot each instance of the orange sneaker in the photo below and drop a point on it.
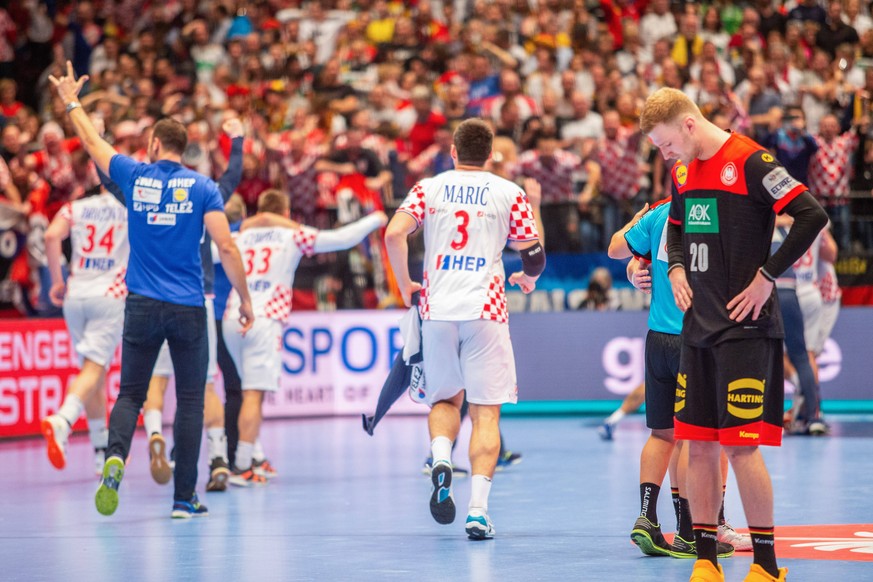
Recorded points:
(759, 574)
(56, 430)
(706, 571)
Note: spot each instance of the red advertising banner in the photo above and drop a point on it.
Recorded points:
(37, 364)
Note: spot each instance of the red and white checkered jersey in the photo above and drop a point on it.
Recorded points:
(270, 256)
(829, 168)
(468, 217)
(98, 235)
(806, 267)
(619, 161)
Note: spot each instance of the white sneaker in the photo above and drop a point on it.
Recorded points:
(740, 541)
(56, 431)
(479, 526)
(99, 460)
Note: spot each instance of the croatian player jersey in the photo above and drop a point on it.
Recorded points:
(806, 267)
(270, 257)
(468, 217)
(98, 234)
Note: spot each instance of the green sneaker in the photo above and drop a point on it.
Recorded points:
(649, 538)
(686, 550)
(106, 498)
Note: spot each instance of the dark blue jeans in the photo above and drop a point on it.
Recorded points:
(147, 323)
(795, 348)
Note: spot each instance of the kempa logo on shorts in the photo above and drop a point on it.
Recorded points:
(701, 215)
(746, 398)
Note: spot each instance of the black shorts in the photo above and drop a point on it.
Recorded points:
(662, 367)
(731, 392)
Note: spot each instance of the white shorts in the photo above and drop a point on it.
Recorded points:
(475, 356)
(809, 298)
(829, 314)
(258, 355)
(95, 325)
(164, 365)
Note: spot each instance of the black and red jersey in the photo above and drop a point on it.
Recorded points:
(726, 206)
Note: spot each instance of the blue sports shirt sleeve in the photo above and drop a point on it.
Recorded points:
(122, 171)
(639, 237)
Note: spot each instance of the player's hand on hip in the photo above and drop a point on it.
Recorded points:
(526, 283)
(246, 317)
(56, 294)
(751, 299)
(68, 87)
(408, 291)
(681, 289)
(642, 280)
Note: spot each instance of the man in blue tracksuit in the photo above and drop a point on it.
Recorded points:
(168, 207)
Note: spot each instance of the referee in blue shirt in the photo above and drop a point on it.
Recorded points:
(168, 207)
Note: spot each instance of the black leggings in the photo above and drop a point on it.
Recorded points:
(232, 394)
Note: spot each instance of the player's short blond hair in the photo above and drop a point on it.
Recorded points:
(235, 208)
(273, 201)
(666, 105)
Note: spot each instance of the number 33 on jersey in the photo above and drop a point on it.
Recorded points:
(468, 217)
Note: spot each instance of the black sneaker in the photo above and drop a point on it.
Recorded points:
(684, 549)
(649, 538)
(189, 509)
(442, 505)
(507, 460)
(218, 475)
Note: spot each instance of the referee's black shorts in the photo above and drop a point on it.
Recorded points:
(731, 393)
(662, 367)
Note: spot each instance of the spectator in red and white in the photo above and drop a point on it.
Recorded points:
(554, 168)
(54, 164)
(418, 123)
(834, 31)
(616, 12)
(617, 154)
(829, 174)
(749, 34)
(435, 159)
(658, 23)
(296, 158)
(787, 77)
(510, 90)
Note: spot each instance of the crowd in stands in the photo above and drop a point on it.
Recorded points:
(347, 103)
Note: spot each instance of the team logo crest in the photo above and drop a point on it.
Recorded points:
(767, 158)
(682, 175)
(729, 174)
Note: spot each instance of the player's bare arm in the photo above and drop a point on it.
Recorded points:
(68, 89)
(56, 233)
(396, 234)
(533, 262)
(618, 248)
(218, 228)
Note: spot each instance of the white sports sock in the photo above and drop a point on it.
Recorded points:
(441, 450)
(153, 421)
(71, 409)
(98, 432)
(217, 442)
(481, 488)
(615, 417)
(258, 452)
(244, 455)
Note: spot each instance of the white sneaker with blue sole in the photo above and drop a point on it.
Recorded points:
(479, 526)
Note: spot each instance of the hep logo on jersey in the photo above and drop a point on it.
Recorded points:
(459, 263)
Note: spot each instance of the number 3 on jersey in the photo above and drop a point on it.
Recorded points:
(462, 230)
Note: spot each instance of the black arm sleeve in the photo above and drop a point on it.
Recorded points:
(675, 249)
(233, 174)
(111, 186)
(809, 219)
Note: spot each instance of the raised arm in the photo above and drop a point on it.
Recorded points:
(68, 90)
(349, 235)
(233, 174)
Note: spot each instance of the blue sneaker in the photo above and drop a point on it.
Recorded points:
(442, 505)
(507, 459)
(605, 431)
(106, 498)
(479, 526)
(189, 509)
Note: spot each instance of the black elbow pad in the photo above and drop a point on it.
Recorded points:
(533, 260)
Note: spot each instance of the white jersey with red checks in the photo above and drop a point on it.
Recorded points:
(98, 235)
(468, 217)
(270, 256)
(806, 267)
(829, 168)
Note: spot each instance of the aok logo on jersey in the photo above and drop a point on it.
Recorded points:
(459, 263)
(701, 215)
